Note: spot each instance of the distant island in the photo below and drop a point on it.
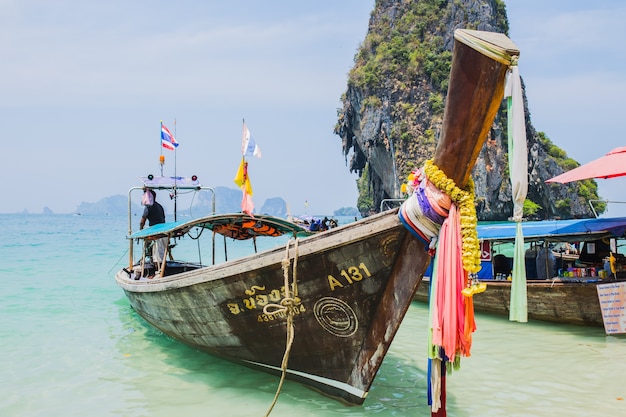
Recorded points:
(227, 200)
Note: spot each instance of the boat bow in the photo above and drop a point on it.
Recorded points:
(350, 286)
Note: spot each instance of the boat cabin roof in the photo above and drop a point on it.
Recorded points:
(561, 230)
(238, 226)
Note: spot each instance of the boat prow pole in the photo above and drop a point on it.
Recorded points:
(480, 61)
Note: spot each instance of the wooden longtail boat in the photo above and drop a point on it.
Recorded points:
(559, 300)
(347, 289)
(568, 294)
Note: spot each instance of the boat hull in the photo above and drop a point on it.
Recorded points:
(556, 302)
(355, 284)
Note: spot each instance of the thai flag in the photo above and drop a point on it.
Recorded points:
(167, 139)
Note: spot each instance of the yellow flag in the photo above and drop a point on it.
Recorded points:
(241, 173)
(242, 179)
(248, 187)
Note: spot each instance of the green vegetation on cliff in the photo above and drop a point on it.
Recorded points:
(394, 104)
(396, 52)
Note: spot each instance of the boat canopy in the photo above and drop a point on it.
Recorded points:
(238, 226)
(578, 229)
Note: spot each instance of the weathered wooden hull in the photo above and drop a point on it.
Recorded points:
(355, 284)
(558, 302)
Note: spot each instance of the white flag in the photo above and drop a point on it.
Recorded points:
(248, 145)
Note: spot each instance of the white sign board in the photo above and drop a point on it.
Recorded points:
(613, 306)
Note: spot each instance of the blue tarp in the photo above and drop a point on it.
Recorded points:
(157, 230)
(580, 229)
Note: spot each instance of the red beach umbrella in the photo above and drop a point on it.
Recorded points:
(613, 164)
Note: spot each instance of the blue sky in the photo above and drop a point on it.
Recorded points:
(573, 61)
(84, 85)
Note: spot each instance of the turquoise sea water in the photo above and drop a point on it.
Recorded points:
(70, 345)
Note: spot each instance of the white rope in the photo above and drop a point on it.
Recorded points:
(286, 306)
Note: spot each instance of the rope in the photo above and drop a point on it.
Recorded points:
(198, 235)
(286, 306)
(118, 261)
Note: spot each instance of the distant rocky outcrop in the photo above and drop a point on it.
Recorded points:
(275, 206)
(346, 211)
(227, 200)
(393, 109)
(114, 205)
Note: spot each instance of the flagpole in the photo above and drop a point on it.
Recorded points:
(175, 178)
(242, 178)
(243, 136)
(161, 158)
(243, 143)
(243, 163)
(175, 148)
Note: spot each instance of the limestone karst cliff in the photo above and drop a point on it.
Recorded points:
(394, 103)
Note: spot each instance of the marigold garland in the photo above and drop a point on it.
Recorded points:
(467, 212)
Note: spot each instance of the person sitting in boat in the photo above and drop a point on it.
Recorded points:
(329, 223)
(316, 225)
(501, 266)
(154, 213)
(566, 248)
(546, 262)
(570, 248)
